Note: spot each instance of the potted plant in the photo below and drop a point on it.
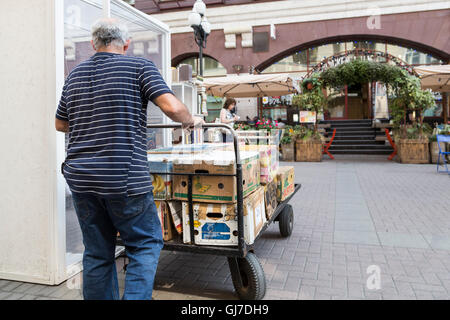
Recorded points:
(287, 144)
(411, 138)
(308, 141)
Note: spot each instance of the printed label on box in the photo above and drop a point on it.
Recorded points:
(215, 231)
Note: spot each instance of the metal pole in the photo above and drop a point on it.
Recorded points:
(200, 57)
(107, 8)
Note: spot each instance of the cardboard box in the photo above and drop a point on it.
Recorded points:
(285, 181)
(162, 163)
(268, 158)
(270, 198)
(215, 189)
(216, 224)
(167, 227)
(176, 214)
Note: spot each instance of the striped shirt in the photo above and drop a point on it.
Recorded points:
(105, 101)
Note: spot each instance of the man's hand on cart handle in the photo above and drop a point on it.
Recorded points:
(194, 122)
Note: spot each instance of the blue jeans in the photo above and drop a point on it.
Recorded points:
(137, 221)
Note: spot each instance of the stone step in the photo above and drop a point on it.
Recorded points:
(360, 147)
(347, 121)
(353, 141)
(355, 133)
(347, 129)
(350, 125)
(361, 151)
(353, 137)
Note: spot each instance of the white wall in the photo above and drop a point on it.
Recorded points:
(32, 246)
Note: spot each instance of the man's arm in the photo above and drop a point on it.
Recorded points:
(61, 125)
(176, 110)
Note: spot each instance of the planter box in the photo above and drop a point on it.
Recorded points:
(309, 151)
(413, 151)
(288, 152)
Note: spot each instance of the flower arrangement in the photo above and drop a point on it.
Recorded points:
(242, 126)
(265, 124)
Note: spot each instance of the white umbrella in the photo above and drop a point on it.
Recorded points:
(250, 86)
(434, 77)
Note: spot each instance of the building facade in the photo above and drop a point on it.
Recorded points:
(294, 36)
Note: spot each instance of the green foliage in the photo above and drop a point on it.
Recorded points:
(410, 97)
(286, 139)
(362, 71)
(312, 98)
(242, 126)
(305, 133)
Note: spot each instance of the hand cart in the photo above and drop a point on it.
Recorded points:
(246, 271)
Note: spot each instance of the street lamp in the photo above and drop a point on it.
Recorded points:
(201, 26)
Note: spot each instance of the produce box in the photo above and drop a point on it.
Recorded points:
(268, 158)
(162, 183)
(270, 198)
(215, 189)
(167, 227)
(216, 224)
(285, 181)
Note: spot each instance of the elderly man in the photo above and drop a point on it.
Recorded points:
(103, 107)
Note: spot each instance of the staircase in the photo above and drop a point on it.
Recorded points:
(356, 137)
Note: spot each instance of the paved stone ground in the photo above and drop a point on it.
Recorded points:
(351, 215)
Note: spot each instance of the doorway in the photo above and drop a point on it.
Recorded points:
(350, 103)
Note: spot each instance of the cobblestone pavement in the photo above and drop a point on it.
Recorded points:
(354, 216)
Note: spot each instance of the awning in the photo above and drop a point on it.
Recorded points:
(434, 77)
(250, 86)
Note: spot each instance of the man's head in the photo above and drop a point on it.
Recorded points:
(110, 35)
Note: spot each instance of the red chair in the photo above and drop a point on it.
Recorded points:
(392, 144)
(327, 146)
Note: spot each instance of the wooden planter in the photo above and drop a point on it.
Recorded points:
(310, 150)
(413, 151)
(288, 152)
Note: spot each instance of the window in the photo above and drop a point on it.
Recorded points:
(305, 59)
(211, 67)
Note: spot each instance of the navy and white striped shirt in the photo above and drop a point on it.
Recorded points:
(105, 101)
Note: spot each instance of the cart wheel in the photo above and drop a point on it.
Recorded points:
(286, 221)
(250, 271)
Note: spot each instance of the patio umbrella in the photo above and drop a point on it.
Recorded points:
(250, 86)
(434, 77)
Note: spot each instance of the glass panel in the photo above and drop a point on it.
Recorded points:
(78, 18)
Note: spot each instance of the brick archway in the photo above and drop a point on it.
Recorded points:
(427, 31)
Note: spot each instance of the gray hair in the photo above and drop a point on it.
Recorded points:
(109, 31)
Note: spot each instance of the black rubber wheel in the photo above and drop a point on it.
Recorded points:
(252, 275)
(286, 221)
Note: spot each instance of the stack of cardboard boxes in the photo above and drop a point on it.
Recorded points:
(215, 197)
